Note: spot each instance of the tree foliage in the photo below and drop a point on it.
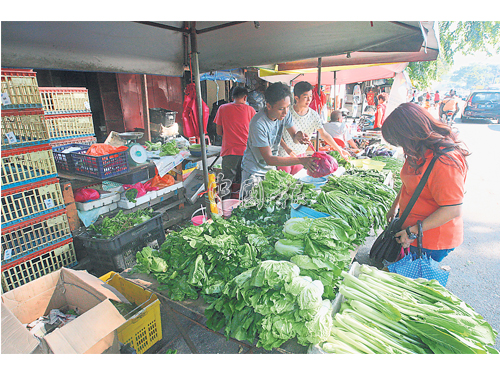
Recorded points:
(465, 37)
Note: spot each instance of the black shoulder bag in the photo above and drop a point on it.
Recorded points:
(385, 246)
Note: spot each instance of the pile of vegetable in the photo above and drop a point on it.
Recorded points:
(394, 165)
(389, 313)
(110, 227)
(202, 259)
(169, 148)
(273, 303)
(340, 160)
(150, 146)
(360, 201)
(320, 247)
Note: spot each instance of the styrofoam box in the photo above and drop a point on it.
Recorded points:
(108, 208)
(107, 200)
(168, 189)
(124, 202)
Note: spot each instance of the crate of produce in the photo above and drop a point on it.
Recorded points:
(24, 128)
(63, 155)
(27, 202)
(76, 125)
(101, 167)
(88, 141)
(26, 165)
(60, 100)
(117, 253)
(143, 326)
(20, 89)
(38, 264)
(34, 235)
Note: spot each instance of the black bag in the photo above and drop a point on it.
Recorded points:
(385, 246)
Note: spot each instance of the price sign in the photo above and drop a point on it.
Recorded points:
(8, 254)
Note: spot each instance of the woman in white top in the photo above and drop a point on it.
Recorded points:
(308, 121)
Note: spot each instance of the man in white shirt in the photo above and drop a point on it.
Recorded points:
(338, 129)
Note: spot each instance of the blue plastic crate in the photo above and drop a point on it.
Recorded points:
(101, 167)
(64, 161)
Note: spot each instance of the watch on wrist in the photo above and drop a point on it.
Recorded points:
(411, 236)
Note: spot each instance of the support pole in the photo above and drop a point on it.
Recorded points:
(196, 76)
(145, 108)
(319, 96)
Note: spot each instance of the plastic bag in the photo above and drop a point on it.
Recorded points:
(325, 165)
(190, 113)
(162, 182)
(100, 149)
(83, 195)
(140, 189)
(317, 103)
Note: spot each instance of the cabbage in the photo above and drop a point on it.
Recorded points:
(289, 248)
(311, 296)
(297, 226)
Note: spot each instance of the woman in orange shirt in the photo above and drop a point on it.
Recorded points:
(439, 206)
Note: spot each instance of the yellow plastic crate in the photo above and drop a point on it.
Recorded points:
(143, 328)
(59, 100)
(21, 166)
(20, 89)
(24, 128)
(38, 264)
(70, 126)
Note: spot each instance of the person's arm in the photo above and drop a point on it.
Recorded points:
(279, 161)
(439, 217)
(286, 148)
(298, 136)
(353, 144)
(219, 129)
(328, 139)
(391, 214)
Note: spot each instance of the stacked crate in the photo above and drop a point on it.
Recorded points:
(67, 115)
(36, 237)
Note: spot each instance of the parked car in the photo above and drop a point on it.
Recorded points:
(482, 105)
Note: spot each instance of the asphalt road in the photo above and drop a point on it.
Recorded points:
(475, 265)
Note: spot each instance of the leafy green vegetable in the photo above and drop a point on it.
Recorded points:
(131, 194)
(289, 248)
(112, 226)
(169, 148)
(150, 146)
(148, 261)
(390, 313)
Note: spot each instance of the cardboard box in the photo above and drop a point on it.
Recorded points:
(92, 332)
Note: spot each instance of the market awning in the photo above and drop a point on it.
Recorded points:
(344, 74)
(161, 47)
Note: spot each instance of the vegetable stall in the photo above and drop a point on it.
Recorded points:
(269, 278)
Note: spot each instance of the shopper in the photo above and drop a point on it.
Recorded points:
(439, 206)
(380, 113)
(308, 121)
(265, 131)
(436, 98)
(338, 129)
(232, 121)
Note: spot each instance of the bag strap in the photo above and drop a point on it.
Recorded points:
(420, 186)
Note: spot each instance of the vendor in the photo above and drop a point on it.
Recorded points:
(306, 120)
(264, 136)
(338, 129)
(379, 115)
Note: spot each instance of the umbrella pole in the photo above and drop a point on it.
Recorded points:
(319, 96)
(196, 74)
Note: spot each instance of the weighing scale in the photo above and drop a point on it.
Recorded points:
(136, 153)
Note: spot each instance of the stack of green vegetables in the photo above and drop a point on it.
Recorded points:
(273, 303)
(340, 160)
(110, 227)
(320, 247)
(390, 313)
(202, 259)
(362, 202)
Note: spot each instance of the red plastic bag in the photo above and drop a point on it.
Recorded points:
(83, 195)
(162, 182)
(139, 186)
(190, 113)
(325, 165)
(317, 103)
(100, 149)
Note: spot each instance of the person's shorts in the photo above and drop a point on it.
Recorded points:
(437, 255)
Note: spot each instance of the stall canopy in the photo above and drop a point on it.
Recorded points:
(334, 75)
(161, 47)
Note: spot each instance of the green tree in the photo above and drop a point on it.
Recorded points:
(465, 37)
(474, 75)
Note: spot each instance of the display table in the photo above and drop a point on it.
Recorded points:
(212, 152)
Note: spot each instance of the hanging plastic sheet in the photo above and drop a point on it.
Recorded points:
(190, 113)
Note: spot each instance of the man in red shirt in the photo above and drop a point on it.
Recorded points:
(379, 115)
(232, 121)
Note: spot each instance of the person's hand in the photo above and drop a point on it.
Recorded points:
(292, 154)
(344, 154)
(308, 163)
(301, 137)
(391, 214)
(402, 238)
